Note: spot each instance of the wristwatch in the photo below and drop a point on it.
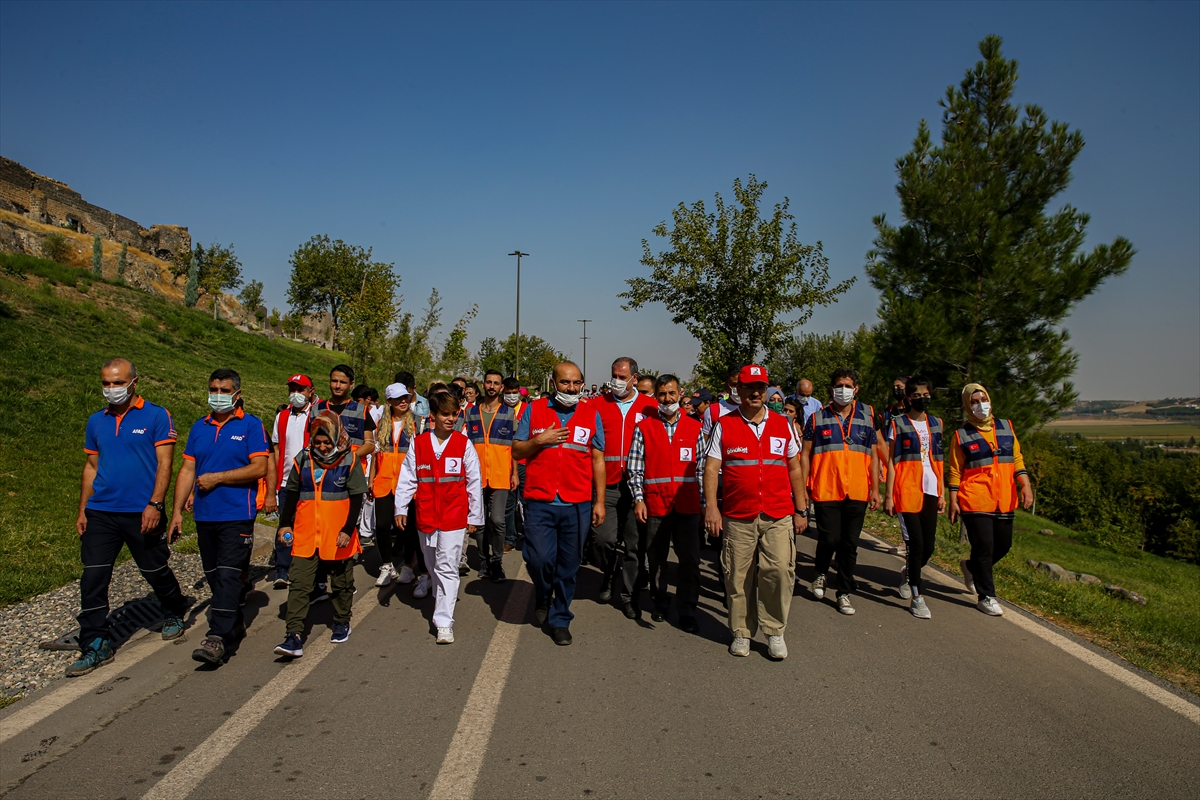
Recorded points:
(803, 512)
(159, 507)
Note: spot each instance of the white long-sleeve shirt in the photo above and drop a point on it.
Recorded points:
(406, 481)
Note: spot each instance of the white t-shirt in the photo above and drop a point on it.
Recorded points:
(929, 482)
(295, 438)
(713, 450)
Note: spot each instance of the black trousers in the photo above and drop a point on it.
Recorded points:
(682, 530)
(839, 525)
(490, 538)
(386, 532)
(107, 532)
(619, 526)
(225, 549)
(922, 537)
(990, 536)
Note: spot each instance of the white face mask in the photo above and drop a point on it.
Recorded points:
(512, 399)
(116, 395)
(734, 397)
(566, 399)
(297, 399)
(981, 410)
(220, 403)
(619, 386)
(843, 395)
(667, 410)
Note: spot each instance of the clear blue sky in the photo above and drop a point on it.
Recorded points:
(447, 135)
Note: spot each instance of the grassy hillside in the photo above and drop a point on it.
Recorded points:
(58, 325)
(1162, 637)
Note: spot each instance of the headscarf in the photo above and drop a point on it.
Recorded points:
(330, 424)
(968, 390)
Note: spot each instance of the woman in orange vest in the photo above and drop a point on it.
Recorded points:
(985, 467)
(914, 484)
(322, 501)
(397, 428)
(441, 473)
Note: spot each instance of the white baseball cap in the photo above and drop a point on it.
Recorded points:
(395, 391)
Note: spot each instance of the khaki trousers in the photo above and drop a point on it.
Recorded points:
(759, 559)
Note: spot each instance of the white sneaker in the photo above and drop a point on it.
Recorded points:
(905, 590)
(843, 604)
(968, 578)
(918, 608)
(776, 648)
(989, 606)
(740, 646)
(406, 575)
(422, 589)
(387, 574)
(445, 635)
(818, 587)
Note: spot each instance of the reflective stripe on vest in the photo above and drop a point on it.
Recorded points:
(840, 461)
(908, 485)
(988, 481)
(322, 510)
(493, 445)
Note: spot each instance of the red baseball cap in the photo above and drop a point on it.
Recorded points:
(302, 380)
(753, 373)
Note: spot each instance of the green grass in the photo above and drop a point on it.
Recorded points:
(1149, 429)
(55, 339)
(1162, 637)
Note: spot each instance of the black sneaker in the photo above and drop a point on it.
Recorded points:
(631, 611)
(210, 651)
(540, 614)
(497, 571)
(561, 636)
(658, 615)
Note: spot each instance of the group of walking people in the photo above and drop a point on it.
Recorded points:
(615, 478)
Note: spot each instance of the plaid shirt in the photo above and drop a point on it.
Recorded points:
(635, 463)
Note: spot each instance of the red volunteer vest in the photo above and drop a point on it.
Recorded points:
(564, 470)
(669, 482)
(284, 416)
(618, 431)
(441, 484)
(754, 469)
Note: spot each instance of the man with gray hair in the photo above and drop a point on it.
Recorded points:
(129, 445)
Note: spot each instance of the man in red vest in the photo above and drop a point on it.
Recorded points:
(662, 478)
(763, 506)
(621, 410)
(563, 440)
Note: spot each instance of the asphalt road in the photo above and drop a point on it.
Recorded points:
(875, 705)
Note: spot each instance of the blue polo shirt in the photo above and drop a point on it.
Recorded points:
(219, 448)
(124, 446)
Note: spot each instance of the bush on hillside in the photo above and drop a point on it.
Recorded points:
(57, 247)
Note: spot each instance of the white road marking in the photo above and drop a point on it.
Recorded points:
(460, 768)
(188, 773)
(75, 688)
(1109, 668)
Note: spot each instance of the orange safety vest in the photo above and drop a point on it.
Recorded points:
(988, 482)
(755, 469)
(493, 444)
(441, 497)
(563, 470)
(907, 491)
(669, 479)
(840, 461)
(388, 460)
(323, 508)
(618, 430)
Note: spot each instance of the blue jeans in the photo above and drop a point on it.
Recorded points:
(553, 548)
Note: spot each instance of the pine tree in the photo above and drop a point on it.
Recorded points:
(122, 261)
(191, 292)
(97, 253)
(977, 281)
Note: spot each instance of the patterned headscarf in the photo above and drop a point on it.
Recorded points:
(330, 424)
(968, 390)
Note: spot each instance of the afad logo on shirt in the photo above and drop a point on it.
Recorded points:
(236, 438)
(138, 431)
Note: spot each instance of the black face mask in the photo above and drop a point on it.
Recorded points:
(919, 404)
(898, 392)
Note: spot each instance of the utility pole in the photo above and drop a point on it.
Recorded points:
(518, 254)
(585, 338)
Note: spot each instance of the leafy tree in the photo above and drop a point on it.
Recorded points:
(327, 274)
(815, 356)
(56, 247)
(220, 269)
(122, 261)
(977, 281)
(537, 357)
(251, 297)
(191, 292)
(367, 319)
(97, 255)
(456, 358)
(411, 344)
(739, 283)
(491, 356)
(274, 319)
(293, 325)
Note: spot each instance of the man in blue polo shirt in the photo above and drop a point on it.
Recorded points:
(226, 454)
(129, 447)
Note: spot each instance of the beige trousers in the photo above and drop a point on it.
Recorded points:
(759, 559)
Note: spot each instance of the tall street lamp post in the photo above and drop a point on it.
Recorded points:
(585, 338)
(518, 254)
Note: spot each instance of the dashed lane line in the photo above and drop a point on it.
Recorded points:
(460, 768)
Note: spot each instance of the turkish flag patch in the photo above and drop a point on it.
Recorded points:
(974, 446)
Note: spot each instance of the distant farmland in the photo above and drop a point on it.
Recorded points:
(1126, 427)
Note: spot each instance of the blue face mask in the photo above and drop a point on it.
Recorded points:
(221, 403)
